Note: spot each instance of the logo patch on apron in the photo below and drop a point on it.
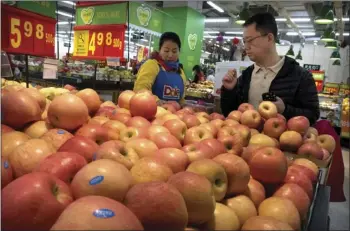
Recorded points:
(171, 92)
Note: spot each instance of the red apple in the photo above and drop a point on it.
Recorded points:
(10, 140)
(245, 106)
(69, 87)
(97, 213)
(282, 117)
(175, 104)
(256, 192)
(210, 127)
(6, 129)
(191, 121)
(91, 99)
(310, 138)
(56, 137)
(216, 115)
(25, 158)
(72, 115)
(124, 99)
(37, 129)
(175, 158)
(153, 203)
(327, 142)
(305, 171)
(6, 172)
(268, 165)
(274, 127)
(36, 95)
(249, 151)
(230, 123)
(253, 131)
(218, 123)
(108, 104)
(217, 146)
(143, 104)
(290, 141)
(154, 129)
(106, 111)
(150, 169)
(297, 177)
(237, 171)
(142, 146)
(243, 207)
(307, 163)
(326, 154)
(197, 134)
(299, 124)
(251, 118)
(233, 144)
(166, 140)
(63, 165)
(33, 202)
(169, 107)
(267, 110)
(100, 120)
(114, 125)
(265, 223)
(297, 195)
(103, 178)
(311, 150)
(198, 151)
(167, 117)
(188, 110)
(245, 133)
(177, 128)
(138, 122)
(130, 133)
(18, 109)
(235, 115)
(97, 133)
(122, 117)
(81, 145)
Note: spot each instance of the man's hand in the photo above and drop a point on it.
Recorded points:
(230, 79)
(280, 105)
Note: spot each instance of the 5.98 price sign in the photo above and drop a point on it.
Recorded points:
(99, 42)
(24, 32)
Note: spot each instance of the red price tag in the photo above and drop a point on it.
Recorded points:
(99, 41)
(319, 85)
(24, 32)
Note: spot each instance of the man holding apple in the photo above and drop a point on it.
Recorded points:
(294, 87)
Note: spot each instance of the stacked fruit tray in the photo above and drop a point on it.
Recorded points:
(71, 162)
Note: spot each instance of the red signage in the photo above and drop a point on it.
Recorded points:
(24, 32)
(99, 41)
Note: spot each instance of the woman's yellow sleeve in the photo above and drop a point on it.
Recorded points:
(146, 75)
(184, 79)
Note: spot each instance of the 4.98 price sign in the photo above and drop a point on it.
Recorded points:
(24, 32)
(99, 42)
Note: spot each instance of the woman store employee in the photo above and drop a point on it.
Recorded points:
(162, 74)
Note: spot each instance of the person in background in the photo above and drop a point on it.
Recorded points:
(162, 74)
(198, 74)
(211, 77)
(293, 85)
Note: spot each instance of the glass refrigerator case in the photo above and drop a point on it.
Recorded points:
(331, 108)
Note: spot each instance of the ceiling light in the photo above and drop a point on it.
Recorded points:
(326, 15)
(243, 16)
(209, 20)
(344, 34)
(61, 32)
(216, 7)
(145, 40)
(66, 23)
(335, 55)
(299, 57)
(328, 35)
(207, 52)
(331, 45)
(300, 19)
(291, 33)
(305, 26)
(337, 62)
(344, 19)
(290, 52)
(64, 14)
(209, 36)
(69, 2)
(234, 32)
(211, 32)
(232, 37)
(226, 49)
(280, 19)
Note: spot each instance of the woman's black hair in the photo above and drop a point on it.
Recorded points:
(197, 68)
(169, 36)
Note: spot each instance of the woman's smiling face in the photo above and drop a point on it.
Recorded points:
(169, 51)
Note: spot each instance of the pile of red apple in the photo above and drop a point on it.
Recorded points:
(134, 165)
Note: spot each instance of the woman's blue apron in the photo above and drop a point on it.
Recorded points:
(168, 86)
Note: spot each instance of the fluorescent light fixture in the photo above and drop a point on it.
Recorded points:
(232, 37)
(305, 26)
(140, 45)
(212, 20)
(301, 19)
(64, 13)
(66, 23)
(211, 32)
(207, 52)
(226, 49)
(234, 32)
(145, 40)
(69, 2)
(303, 33)
(61, 32)
(216, 7)
(344, 19)
(280, 19)
(344, 34)
(209, 36)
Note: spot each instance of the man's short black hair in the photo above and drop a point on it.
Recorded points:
(169, 36)
(264, 23)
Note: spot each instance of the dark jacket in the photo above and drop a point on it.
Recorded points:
(293, 84)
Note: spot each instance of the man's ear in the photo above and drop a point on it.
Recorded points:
(270, 37)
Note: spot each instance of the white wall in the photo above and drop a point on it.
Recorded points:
(320, 55)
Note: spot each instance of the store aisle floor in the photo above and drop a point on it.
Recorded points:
(339, 211)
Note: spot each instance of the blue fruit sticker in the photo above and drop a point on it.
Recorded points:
(6, 164)
(94, 156)
(113, 112)
(103, 213)
(96, 180)
(60, 132)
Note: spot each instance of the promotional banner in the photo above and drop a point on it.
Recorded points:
(331, 88)
(98, 42)
(344, 90)
(46, 8)
(222, 68)
(319, 79)
(142, 53)
(25, 32)
(142, 15)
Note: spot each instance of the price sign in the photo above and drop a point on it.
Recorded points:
(98, 42)
(344, 89)
(319, 79)
(24, 32)
(312, 67)
(331, 88)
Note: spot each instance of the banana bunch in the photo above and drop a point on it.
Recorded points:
(346, 106)
(51, 92)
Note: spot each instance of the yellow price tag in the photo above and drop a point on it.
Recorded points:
(81, 43)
